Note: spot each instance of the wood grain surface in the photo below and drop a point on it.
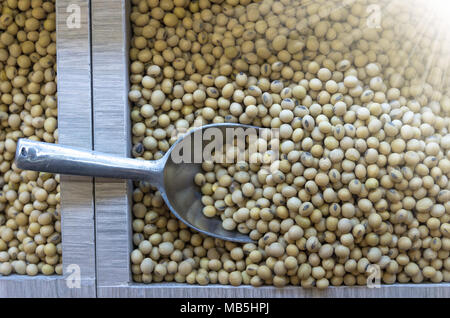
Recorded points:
(20, 286)
(172, 290)
(111, 135)
(75, 129)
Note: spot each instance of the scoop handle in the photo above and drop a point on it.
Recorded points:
(46, 157)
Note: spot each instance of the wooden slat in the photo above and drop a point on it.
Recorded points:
(170, 290)
(111, 135)
(75, 129)
(16, 286)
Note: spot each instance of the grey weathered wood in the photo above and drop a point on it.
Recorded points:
(75, 129)
(16, 286)
(113, 217)
(112, 135)
(170, 290)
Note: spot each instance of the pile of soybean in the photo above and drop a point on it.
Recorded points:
(359, 90)
(30, 222)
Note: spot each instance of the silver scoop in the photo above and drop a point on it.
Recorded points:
(175, 181)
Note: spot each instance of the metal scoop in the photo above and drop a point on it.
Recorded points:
(175, 181)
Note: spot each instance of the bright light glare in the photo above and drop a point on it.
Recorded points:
(440, 7)
(443, 5)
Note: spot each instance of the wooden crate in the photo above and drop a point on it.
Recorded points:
(75, 129)
(110, 43)
(93, 111)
